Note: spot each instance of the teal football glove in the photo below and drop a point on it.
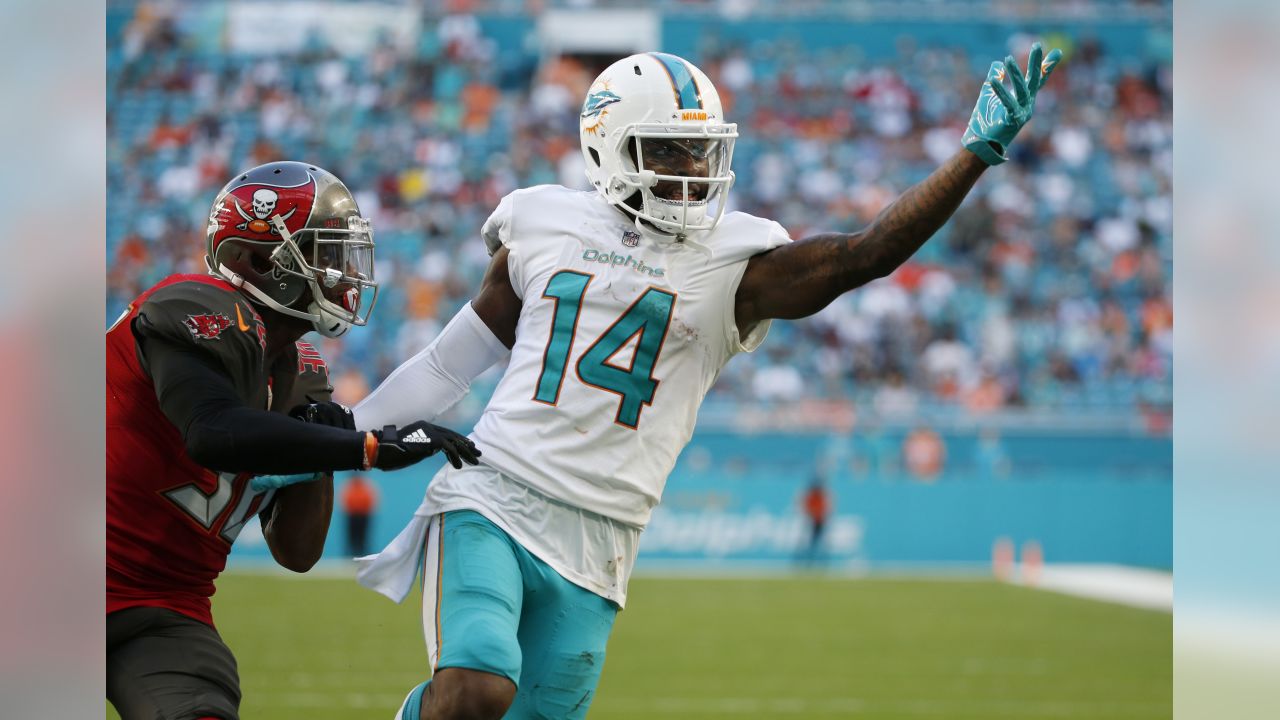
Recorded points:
(262, 483)
(997, 118)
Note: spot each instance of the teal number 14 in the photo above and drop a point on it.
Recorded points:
(648, 318)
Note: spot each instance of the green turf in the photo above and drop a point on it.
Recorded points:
(742, 649)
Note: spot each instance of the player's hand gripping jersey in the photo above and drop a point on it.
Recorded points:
(619, 339)
(171, 522)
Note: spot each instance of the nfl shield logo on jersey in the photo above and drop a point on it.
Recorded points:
(630, 238)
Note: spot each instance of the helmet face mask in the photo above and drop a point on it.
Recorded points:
(337, 266)
(652, 130)
(681, 176)
(292, 238)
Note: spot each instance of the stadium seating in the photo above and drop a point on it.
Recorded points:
(1049, 291)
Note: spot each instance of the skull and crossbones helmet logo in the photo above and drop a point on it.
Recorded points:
(290, 235)
(262, 204)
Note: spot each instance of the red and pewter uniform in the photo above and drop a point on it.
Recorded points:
(171, 522)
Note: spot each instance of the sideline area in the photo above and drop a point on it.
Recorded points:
(1136, 587)
(1124, 585)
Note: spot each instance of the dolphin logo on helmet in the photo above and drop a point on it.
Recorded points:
(598, 101)
(595, 107)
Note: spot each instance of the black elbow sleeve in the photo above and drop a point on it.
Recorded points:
(245, 440)
(222, 434)
(210, 447)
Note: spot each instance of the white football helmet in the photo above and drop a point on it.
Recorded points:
(652, 97)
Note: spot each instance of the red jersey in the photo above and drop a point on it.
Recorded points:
(171, 522)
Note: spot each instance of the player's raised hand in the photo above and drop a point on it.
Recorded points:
(402, 447)
(999, 116)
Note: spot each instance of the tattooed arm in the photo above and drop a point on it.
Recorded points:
(799, 279)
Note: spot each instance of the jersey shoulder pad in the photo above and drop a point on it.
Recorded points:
(739, 235)
(529, 209)
(206, 315)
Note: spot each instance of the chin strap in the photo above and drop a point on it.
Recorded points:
(237, 280)
(326, 323)
(229, 275)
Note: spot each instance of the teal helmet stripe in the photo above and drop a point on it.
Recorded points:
(688, 97)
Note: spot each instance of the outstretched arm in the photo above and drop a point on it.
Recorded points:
(432, 381)
(220, 432)
(799, 279)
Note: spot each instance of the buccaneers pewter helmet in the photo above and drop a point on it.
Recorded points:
(291, 236)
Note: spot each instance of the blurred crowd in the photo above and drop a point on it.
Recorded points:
(1049, 289)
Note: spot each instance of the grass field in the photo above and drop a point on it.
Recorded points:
(797, 647)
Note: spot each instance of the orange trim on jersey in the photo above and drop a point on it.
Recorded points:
(656, 355)
(439, 591)
(573, 335)
(631, 365)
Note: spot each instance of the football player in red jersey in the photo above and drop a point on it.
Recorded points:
(208, 387)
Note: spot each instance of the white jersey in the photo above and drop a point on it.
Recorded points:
(620, 337)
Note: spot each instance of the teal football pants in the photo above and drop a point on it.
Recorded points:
(488, 604)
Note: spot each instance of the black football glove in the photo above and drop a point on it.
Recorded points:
(333, 414)
(419, 440)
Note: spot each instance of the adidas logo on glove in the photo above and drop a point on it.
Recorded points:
(417, 436)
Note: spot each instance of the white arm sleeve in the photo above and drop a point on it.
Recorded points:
(432, 381)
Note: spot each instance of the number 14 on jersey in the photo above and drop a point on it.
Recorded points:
(645, 321)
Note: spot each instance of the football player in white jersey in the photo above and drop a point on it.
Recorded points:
(619, 307)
